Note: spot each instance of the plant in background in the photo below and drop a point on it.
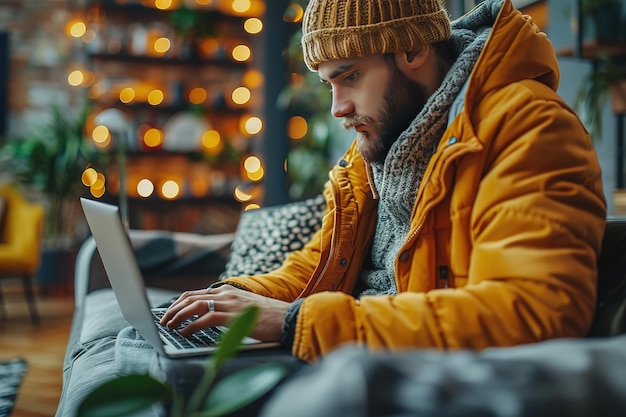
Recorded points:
(51, 161)
(191, 24)
(129, 394)
(605, 17)
(594, 91)
(309, 159)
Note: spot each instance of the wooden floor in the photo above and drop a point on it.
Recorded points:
(42, 346)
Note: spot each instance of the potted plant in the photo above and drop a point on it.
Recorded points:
(608, 79)
(129, 394)
(49, 163)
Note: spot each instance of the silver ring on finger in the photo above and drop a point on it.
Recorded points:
(211, 304)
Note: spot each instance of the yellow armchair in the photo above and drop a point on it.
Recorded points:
(21, 235)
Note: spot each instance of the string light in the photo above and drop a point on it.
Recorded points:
(253, 125)
(98, 188)
(253, 79)
(297, 127)
(251, 206)
(241, 6)
(101, 136)
(145, 188)
(241, 53)
(241, 195)
(153, 137)
(212, 141)
(155, 97)
(127, 95)
(197, 95)
(252, 163)
(293, 13)
(162, 45)
(163, 4)
(76, 28)
(89, 177)
(257, 175)
(253, 25)
(170, 189)
(75, 78)
(241, 95)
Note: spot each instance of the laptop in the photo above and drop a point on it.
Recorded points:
(128, 285)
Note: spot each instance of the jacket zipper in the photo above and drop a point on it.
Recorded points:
(333, 244)
(427, 210)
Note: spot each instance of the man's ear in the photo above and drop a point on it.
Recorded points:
(410, 61)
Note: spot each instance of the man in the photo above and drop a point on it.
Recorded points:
(484, 232)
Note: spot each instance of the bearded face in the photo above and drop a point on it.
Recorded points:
(401, 101)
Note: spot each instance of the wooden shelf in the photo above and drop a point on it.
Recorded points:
(171, 108)
(593, 49)
(144, 59)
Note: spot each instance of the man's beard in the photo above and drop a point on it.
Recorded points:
(402, 101)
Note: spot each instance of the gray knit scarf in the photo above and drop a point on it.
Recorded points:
(398, 177)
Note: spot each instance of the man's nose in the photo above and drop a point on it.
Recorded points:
(341, 106)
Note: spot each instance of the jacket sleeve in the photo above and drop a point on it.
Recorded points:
(527, 270)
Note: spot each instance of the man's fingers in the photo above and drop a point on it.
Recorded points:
(204, 322)
(186, 295)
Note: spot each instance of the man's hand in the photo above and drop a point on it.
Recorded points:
(228, 302)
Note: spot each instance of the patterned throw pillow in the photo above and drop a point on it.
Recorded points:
(265, 236)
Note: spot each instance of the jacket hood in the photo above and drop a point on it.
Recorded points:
(516, 50)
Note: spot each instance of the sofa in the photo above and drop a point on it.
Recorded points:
(100, 338)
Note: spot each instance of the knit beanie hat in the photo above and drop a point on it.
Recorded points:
(341, 29)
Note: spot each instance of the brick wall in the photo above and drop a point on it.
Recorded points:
(41, 57)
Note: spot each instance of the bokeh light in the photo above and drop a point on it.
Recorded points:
(253, 79)
(293, 13)
(89, 177)
(241, 95)
(253, 25)
(145, 188)
(98, 188)
(155, 97)
(211, 140)
(153, 137)
(127, 95)
(101, 136)
(252, 163)
(241, 53)
(251, 206)
(170, 189)
(297, 127)
(76, 28)
(241, 195)
(197, 95)
(163, 4)
(252, 125)
(241, 6)
(162, 45)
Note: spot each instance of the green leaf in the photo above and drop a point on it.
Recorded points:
(237, 330)
(229, 344)
(123, 396)
(241, 388)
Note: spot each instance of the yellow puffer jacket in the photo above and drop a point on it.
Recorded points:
(505, 231)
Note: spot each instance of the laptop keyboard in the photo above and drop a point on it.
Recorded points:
(203, 338)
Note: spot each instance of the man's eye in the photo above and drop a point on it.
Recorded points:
(352, 76)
